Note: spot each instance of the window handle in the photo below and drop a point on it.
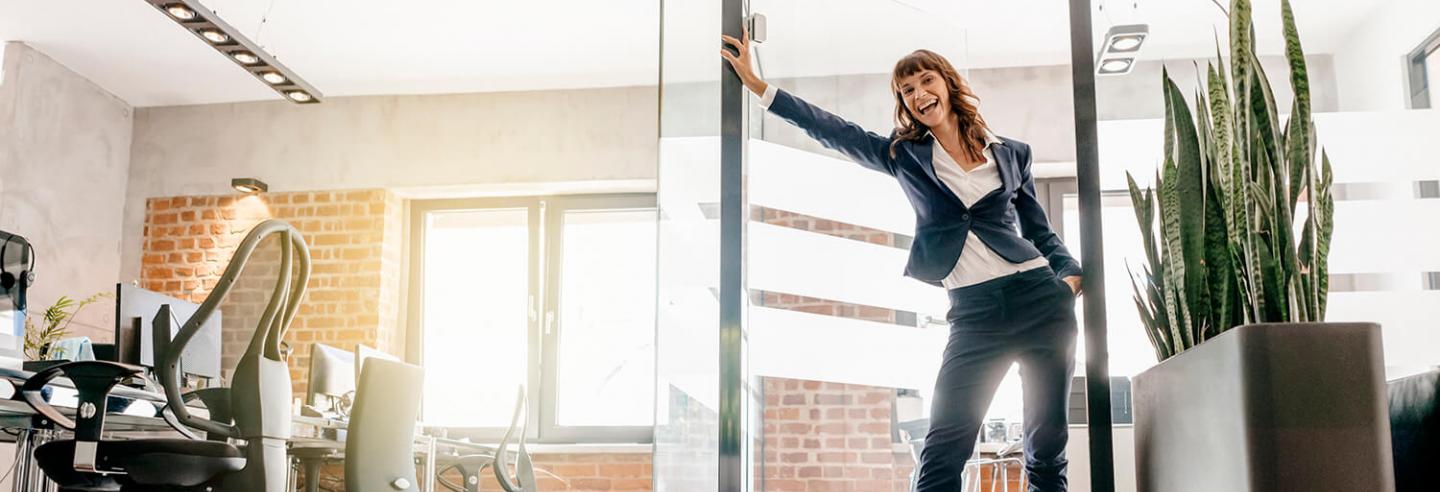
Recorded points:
(533, 313)
(549, 322)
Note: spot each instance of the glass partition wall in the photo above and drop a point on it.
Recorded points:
(844, 349)
(701, 392)
(821, 372)
(1360, 60)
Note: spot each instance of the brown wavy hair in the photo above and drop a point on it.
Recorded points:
(962, 102)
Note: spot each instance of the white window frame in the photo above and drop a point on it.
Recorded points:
(546, 224)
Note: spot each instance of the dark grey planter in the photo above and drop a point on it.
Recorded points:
(1267, 407)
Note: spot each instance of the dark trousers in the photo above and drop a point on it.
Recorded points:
(1028, 317)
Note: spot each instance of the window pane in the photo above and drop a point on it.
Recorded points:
(476, 271)
(607, 319)
(1129, 347)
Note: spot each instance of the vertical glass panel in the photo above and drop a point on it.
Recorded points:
(845, 349)
(476, 269)
(687, 339)
(1356, 56)
(607, 319)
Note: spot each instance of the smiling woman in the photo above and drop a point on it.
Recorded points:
(1012, 293)
(928, 87)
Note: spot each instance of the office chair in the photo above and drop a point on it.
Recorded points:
(998, 467)
(1415, 431)
(259, 401)
(379, 446)
(471, 467)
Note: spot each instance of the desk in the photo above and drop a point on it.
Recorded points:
(31, 431)
(432, 448)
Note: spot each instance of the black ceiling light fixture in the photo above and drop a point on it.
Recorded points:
(204, 24)
(249, 185)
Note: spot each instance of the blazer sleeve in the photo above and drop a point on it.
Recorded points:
(1034, 225)
(866, 148)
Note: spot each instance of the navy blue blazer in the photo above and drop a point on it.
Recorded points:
(941, 219)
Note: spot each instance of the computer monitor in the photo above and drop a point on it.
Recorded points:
(17, 258)
(135, 310)
(363, 352)
(332, 376)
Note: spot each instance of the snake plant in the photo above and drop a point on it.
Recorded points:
(1219, 226)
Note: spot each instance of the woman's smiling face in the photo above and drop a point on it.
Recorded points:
(926, 96)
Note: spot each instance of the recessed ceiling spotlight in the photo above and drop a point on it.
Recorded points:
(245, 57)
(1116, 66)
(299, 97)
(1126, 43)
(180, 11)
(214, 36)
(274, 78)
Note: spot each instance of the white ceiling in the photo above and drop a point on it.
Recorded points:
(366, 47)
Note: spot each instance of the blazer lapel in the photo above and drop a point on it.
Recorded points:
(1005, 163)
(924, 152)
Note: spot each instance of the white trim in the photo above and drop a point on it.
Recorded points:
(492, 190)
(633, 448)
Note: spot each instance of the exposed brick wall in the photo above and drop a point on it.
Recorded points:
(578, 472)
(825, 307)
(830, 436)
(614, 472)
(827, 227)
(353, 292)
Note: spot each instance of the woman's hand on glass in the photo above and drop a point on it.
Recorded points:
(740, 61)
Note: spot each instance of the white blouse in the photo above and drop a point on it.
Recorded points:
(977, 262)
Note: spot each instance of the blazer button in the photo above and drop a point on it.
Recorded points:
(965, 217)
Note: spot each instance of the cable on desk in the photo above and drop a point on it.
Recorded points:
(15, 464)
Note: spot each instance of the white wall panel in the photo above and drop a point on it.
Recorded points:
(1364, 147)
(1386, 236)
(792, 261)
(822, 186)
(1410, 321)
(843, 350)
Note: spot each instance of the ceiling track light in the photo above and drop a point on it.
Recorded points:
(1120, 49)
(203, 23)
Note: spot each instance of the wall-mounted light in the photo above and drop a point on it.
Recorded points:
(203, 23)
(1119, 50)
(249, 185)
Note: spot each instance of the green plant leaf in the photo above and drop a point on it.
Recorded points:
(1153, 331)
(1176, 272)
(1325, 226)
(1190, 189)
(1241, 45)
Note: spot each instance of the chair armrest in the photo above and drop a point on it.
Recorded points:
(93, 381)
(217, 403)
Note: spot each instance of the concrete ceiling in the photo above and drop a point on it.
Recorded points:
(367, 47)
